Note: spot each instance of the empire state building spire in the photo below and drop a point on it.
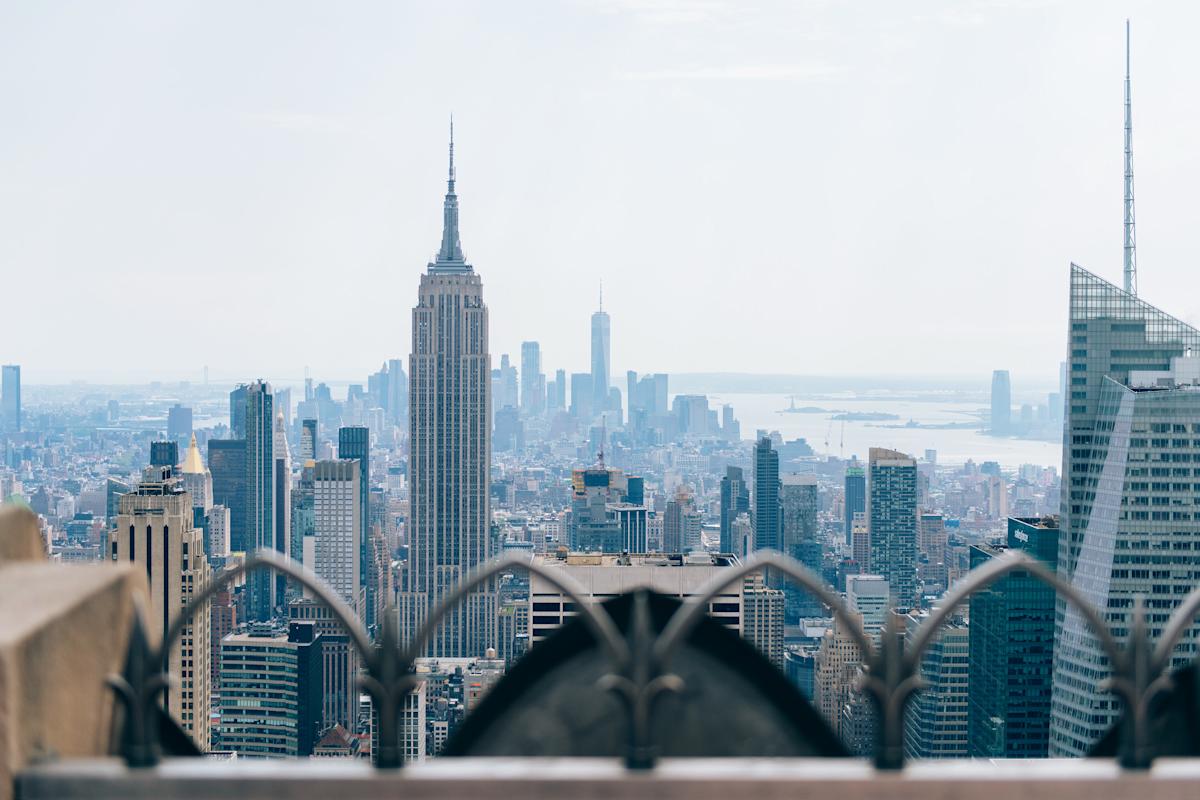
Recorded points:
(450, 258)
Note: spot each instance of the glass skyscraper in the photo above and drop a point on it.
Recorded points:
(1131, 471)
(260, 496)
(1012, 651)
(855, 499)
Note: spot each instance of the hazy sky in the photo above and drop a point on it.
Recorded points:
(802, 187)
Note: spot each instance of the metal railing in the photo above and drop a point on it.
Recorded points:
(640, 663)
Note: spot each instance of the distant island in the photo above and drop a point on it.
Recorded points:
(865, 416)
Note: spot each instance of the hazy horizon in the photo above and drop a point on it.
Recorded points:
(783, 188)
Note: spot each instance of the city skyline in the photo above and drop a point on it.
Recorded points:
(352, 204)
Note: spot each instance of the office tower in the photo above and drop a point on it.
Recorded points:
(509, 433)
(337, 527)
(154, 529)
(355, 443)
(855, 499)
(1012, 651)
(936, 723)
(602, 518)
(504, 385)
(113, 489)
(601, 358)
(745, 607)
(164, 454)
(237, 413)
(892, 517)
(227, 463)
(533, 382)
(838, 661)
(691, 414)
(449, 448)
(1001, 403)
(216, 534)
(682, 523)
(860, 540)
(271, 691)
(303, 521)
(179, 422)
(763, 618)
(283, 406)
(308, 440)
(735, 499)
(339, 692)
(223, 620)
(560, 389)
(260, 532)
(766, 497)
(283, 500)
(1127, 441)
(798, 539)
(10, 398)
(581, 397)
(869, 596)
(397, 393)
(932, 539)
(196, 479)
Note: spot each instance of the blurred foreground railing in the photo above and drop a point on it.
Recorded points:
(640, 664)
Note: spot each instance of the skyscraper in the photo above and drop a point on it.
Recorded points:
(936, 724)
(227, 463)
(798, 539)
(337, 527)
(735, 499)
(766, 496)
(355, 443)
(179, 422)
(892, 515)
(260, 495)
(154, 528)
(1001, 403)
(197, 480)
(449, 447)
(237, 413)
(1132, 410)
(1012, 651)
(283, 498)
(10, 398)
(855, 499)
(308, 440)
(601, 358)
(533, 382)
(397, 406)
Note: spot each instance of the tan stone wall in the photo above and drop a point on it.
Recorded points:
(63, 630)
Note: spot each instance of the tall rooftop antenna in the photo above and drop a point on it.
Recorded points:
(602, 295)
(1130, 233)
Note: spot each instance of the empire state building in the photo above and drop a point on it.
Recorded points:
(449, 448)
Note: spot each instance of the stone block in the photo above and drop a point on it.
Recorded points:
(63, 630)
(20, 538)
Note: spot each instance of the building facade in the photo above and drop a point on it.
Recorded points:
(1128, 518)
(892, 517)
(449, 448)
(154, 529)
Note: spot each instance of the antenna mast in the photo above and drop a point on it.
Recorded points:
(1130, 233)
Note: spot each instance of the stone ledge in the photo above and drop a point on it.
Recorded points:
(585, 779)
(63, 629)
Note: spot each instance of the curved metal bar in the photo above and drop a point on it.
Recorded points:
(983, 577)
(596, 618)
(271, 559)
(1182, 619)
(686, 618)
